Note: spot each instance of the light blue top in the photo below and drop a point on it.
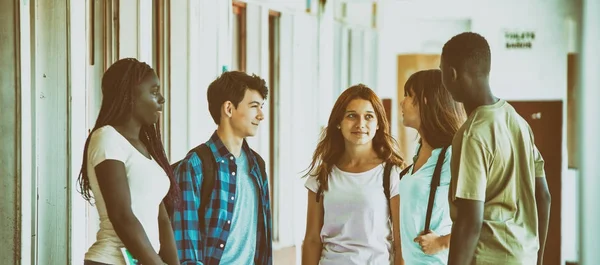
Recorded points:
(414, 195)
(241, 243)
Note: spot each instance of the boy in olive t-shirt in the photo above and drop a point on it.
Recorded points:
(499, 198)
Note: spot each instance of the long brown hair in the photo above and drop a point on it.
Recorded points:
(331, 146)
(441, 116)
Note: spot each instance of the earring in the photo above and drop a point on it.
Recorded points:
(339, 127)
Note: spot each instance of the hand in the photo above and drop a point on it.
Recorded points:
(429, 242)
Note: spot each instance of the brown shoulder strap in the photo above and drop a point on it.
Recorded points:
(435, 183)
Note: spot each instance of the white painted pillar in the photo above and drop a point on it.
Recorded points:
(257, 62)
(327, 95)
(78, 62)
(589, 140)
(51, 100)
(196, 58)
(129, 24)
(26, 122)
(179, 72)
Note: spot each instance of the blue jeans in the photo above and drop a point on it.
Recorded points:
(89, 262)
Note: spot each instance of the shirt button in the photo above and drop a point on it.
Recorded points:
(231, 158)
(228, 222)
(221, 245)
(232, 198)
(233, 173)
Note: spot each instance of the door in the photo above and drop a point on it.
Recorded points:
(546, 121)
(408, 64)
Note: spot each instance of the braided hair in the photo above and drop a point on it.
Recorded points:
(117, 105)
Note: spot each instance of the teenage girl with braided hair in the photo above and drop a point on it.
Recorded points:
(126, 171)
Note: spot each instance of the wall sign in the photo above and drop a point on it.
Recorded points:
(519, 39)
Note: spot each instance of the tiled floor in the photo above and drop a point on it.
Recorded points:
(285, 256)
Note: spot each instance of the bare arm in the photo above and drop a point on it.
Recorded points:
(168, 250)
(112, 180)
(312, 246)
(542, 200)
(445, 241)
(395, 208)
(465, 231)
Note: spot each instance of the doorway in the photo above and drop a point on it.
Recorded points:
(408, 64)
(546, 120)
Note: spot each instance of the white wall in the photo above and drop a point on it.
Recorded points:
(537, 73)
(196, 44)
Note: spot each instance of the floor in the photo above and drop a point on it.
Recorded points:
(284, 256)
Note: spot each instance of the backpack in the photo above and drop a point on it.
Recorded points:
(435, 183)
(209, 175)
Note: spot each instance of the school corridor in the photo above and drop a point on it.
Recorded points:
(545, 62)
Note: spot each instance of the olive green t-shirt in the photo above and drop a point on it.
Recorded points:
(495, 160)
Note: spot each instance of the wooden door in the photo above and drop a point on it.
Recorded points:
(546, 121)
(408, 64)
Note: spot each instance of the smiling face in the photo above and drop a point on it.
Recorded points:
(148, 101)
(247, 116)
(359, 123)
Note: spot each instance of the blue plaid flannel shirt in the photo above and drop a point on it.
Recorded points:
(206, 247)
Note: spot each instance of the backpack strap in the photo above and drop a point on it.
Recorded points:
(387, 171)
(404, 171)
(261, 165)
(435, 183)
(209, 175)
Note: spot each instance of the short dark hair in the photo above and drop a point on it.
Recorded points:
(231, 86)
(468, 51)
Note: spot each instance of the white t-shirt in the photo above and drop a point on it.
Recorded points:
(148, 185)
(356, 229)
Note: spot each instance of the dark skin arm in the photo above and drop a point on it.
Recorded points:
(168, 250)
(465, 231)
(395, 208)
(542, 200)
(312, 246)
(112, 180)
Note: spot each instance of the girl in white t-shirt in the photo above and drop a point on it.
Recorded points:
(429, 108)
(127, 171)
(350, 223)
